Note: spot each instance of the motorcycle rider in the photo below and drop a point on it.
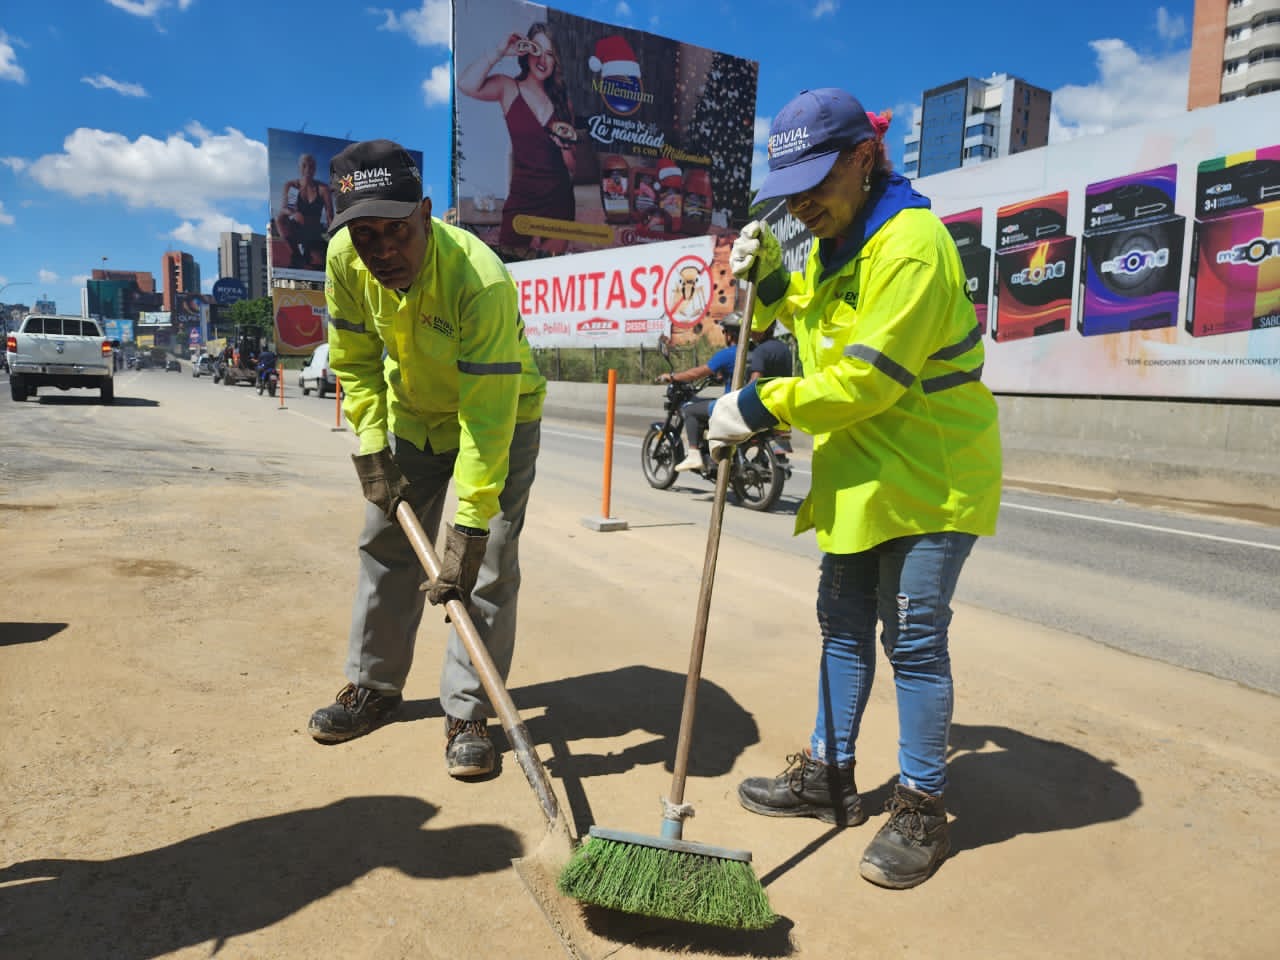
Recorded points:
(719, 367)
(266, 364)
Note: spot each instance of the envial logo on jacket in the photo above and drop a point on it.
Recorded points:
(1132, 261)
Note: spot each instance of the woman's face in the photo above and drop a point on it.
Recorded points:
(307, 167)
(543, 65)
(828, 209)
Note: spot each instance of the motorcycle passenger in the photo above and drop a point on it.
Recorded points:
(719, 366)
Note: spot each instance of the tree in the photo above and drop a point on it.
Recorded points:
(257, 313)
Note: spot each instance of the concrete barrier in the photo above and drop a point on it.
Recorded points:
(1199, 453)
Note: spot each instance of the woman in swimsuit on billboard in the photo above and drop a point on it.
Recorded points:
(299, 219)
(539, 119)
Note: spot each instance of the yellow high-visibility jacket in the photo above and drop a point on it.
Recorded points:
(906, 436)
(447, 363)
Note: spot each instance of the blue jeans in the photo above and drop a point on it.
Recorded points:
(906, 585)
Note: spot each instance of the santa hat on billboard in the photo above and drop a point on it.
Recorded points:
(668, 171)
(614, 58)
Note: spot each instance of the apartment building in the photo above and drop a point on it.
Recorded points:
(973, 120)
(1235, 51)
(181, 274)
(243, 256)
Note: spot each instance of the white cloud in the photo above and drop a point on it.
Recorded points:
(824, 8)
(759, 157)
(429, 26)
(760, 131)
(103, 82)
(47, 277)
(187, 173)
(203, 233)
(148, 8)
(1169, 26)
(80, 279)
(438, 86)
(6, 218)
(622, 11)
(9, 68)
(1131, 88)
(16, 164)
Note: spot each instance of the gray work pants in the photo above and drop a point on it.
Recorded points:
(389, 605)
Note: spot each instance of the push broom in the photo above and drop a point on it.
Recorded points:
(667, 876)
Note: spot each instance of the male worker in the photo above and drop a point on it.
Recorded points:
(438, 383)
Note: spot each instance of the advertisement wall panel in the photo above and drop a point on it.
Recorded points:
(572, 135)
(618, 298)
(301, 320)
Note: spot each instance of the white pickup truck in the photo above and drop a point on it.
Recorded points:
(62, 352)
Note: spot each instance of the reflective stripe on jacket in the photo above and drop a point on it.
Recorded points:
(457, 371)
(906, 436)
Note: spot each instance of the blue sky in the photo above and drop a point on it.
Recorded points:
(132, 127)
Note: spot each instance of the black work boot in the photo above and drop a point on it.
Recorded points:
(468, 751)
(806, 788)
(910, 846)
(355, 712)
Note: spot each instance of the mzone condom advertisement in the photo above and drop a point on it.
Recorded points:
(1140, 263)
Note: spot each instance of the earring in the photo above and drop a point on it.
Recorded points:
(866, 183)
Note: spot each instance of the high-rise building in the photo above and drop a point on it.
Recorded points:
(144, 281)
(181, 275)
(970, 121)
(244, 257)
(1235, 51)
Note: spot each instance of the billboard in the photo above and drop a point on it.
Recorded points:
(229, 290)
(1140, 263)
(301, 201)
(572, 135)
(301, 320)
(627, 297)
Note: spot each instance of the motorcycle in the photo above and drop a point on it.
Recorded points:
(268, 381)
(758, 471)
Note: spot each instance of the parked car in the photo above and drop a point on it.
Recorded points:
(173, 364)
(316, 375)
(202, 366)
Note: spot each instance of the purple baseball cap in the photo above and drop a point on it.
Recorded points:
(806, 137)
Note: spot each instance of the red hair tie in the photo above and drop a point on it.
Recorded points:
(880, 121)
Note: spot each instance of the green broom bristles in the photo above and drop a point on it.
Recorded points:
(671, 884)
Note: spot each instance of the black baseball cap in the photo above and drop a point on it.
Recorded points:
(373, 178)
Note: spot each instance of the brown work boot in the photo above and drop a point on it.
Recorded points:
(807, 788)
(910, 846)
(468, 751)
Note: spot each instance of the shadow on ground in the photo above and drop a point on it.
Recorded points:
(230, 881)
(12, 634)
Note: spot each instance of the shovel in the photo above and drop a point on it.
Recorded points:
(538, 870)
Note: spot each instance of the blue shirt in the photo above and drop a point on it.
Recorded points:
(721, 364)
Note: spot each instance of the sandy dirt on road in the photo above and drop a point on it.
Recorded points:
(159, 659)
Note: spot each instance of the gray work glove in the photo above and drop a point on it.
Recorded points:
(381, 480)
(463, 555)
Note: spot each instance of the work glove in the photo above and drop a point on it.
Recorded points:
(381, 480)
(735, 417)
(463, 555)
(756, 253)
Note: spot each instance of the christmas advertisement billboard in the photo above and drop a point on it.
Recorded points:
(572, 135)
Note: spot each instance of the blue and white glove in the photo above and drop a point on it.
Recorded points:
(735, 417)
(756, 253)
